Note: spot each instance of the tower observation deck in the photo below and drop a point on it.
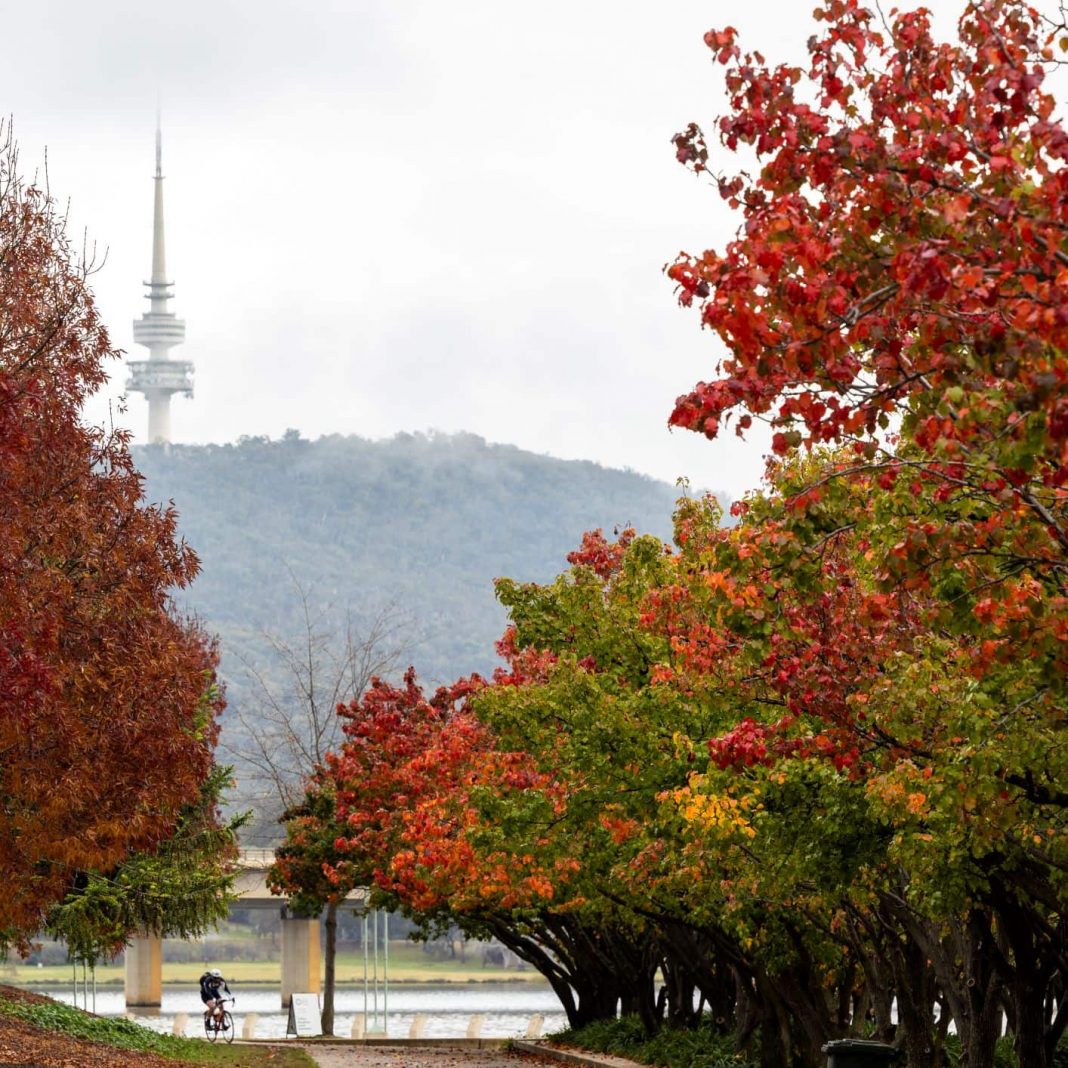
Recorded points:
(159, 330)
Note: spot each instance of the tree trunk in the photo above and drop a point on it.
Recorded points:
(1028, 982)
(774, 1037)
(961, 954)
(715, 966)
(572, 954)
(331, 955)
(1030, 1038)
(681, 990)
(914, 985)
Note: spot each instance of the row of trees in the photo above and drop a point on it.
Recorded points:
(108, 790)
(745, 764)
(809, 769)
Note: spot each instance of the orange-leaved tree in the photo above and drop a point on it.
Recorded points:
(345, 832)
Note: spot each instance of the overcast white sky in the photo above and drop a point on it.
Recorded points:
(391, 215)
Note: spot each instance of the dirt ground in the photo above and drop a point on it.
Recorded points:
(425, 1057)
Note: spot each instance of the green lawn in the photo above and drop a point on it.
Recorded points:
(407, 964)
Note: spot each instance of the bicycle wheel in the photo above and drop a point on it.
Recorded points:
(228, 1027)
(211, 1028)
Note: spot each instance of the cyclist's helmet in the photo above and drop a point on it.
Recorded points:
(215, 973)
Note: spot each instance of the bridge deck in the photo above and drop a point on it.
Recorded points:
(251, 882)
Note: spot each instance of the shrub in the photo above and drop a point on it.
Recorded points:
(703, 1047)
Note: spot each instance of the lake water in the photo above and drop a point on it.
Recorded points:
(507, 1008)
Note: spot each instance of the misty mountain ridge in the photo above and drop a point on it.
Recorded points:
(420, 522)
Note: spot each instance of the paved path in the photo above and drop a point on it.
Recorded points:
(419, 1057)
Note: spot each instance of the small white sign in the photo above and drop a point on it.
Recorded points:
(305, 1017)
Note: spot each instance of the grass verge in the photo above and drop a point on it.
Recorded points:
(407, 964)
(55, 1019)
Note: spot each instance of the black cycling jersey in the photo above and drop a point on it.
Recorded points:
(209, 987)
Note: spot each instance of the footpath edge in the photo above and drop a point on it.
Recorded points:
(573, 1056)
(311, 1041)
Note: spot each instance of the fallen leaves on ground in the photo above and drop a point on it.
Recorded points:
(22, 1043)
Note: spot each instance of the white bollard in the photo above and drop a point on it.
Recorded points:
(474, 1026)
(358, 1025)
(249, 1030)
(418, 1025)
(181, 1022)
(534, 1025)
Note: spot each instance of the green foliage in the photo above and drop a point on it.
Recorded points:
(312, 828)
(124, 1034)
(618, 1036)
(180, 890)
(702, 1047)
(1003, 1054)
(1060, 1054)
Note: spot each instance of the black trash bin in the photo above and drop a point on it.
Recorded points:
(859, 1053)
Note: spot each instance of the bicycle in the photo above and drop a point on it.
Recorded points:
(214, 1023)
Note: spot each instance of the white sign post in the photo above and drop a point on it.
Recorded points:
(305, 1017)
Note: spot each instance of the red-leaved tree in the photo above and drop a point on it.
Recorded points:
(898, 286)
(107, 697)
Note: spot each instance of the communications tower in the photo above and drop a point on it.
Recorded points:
(159, 330)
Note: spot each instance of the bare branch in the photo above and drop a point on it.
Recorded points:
(290, 722)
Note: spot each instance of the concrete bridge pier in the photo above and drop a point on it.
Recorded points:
(144, 970)
(300, 964)
(300, 957)
(300, 939)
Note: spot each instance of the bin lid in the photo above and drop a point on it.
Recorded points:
(859, 1045)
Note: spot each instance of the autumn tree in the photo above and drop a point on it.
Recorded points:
(180, 890)
(381, 773)
(810, 765)
(406, 827)
(897, 287)
(746, 760)
(341, 835)
(108, 702)
(301, 866)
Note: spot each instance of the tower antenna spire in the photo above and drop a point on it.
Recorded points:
(159, 329)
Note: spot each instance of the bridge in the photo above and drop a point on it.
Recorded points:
(300, 938)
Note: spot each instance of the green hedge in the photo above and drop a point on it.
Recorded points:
(705, 1048)
(626, 1037)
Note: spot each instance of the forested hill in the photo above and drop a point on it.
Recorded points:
(424, 521)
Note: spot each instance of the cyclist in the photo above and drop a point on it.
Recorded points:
(210, 984)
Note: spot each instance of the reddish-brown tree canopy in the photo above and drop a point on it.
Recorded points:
(106, 699)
